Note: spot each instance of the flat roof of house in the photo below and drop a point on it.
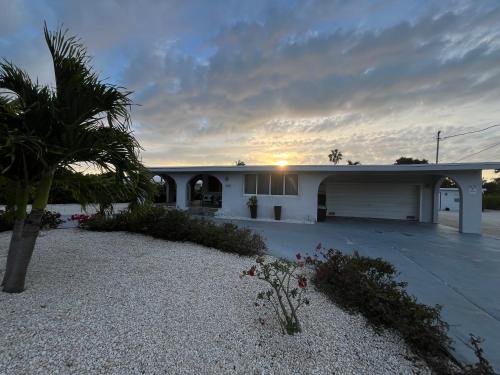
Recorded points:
(332, 168)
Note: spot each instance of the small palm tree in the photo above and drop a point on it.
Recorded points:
(83, 120)
(239, 163)
(335, 156)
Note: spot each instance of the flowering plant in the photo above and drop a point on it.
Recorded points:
(286, 294)
(81, 218)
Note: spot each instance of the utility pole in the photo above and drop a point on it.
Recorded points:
(437, 146)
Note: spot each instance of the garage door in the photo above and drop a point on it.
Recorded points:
(373, 200)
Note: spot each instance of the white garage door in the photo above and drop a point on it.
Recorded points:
(373, 200)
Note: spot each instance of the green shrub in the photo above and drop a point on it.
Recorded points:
(482, 367)
(6, 221)
(50, 220)
(491, 201)
(176, 225)
(369, 286)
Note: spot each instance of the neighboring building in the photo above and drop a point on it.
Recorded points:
(308, 192)
(449, 199)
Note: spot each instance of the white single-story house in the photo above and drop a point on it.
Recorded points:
(449, 199)
(307, 193)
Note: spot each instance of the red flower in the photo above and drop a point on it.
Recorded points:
(302, 282)
(298, 256)
(79, 217)
(251, 271)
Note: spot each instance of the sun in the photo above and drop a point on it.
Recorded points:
(281, 163)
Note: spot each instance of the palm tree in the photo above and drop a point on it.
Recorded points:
(335, 156)
(239, 163)
(82, 121)
(350, 162)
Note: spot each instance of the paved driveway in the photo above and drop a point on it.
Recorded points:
(490, 225)
(459, 271)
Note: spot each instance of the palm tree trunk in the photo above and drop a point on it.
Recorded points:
(23, 249)
(20, 202)
(22, 252)
(15, 240)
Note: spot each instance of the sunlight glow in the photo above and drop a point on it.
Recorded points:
(282, 163)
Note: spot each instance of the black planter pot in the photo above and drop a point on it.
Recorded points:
(321, 214)
(253, 212)
(277, 212)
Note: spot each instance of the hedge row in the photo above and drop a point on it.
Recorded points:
(175, 225)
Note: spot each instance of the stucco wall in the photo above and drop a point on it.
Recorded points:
(303, 207)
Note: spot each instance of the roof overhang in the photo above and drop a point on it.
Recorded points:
(423, 168)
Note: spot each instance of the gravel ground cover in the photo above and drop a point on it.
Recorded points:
(119, 303)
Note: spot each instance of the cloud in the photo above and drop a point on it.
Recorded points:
(219, 81)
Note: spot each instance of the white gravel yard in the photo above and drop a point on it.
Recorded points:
(119, 303)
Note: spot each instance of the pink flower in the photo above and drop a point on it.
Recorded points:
(298, 256)
(241, 276)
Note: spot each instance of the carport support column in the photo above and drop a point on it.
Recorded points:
(181, 185)
(471, 203)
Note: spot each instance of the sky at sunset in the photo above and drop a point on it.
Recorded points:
(263, 81)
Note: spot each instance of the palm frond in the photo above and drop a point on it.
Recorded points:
(84, 99)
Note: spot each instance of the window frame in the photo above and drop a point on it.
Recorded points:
(270, 179)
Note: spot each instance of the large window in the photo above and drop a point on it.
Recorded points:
(250, 184)
(262, 183)
(277, 184)
(272, 183)
(291, 184)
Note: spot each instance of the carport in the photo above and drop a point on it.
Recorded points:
(395, 192)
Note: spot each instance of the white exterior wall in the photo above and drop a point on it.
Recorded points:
(471, 199)
(303, 207)
(449, 199)
(298, 208)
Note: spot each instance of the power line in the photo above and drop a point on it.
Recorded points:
(471, 132)
(478, 152)
(438, 139)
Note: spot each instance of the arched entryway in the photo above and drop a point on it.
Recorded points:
(167, 190)
(204, 190)
(448, 203)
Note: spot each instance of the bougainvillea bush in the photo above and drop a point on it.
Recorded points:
(369, 286)
(287, 286)
(81, 218)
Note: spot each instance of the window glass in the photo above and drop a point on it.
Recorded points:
(250, 182)
(291, 184)
(277, 184)
(263, 183)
